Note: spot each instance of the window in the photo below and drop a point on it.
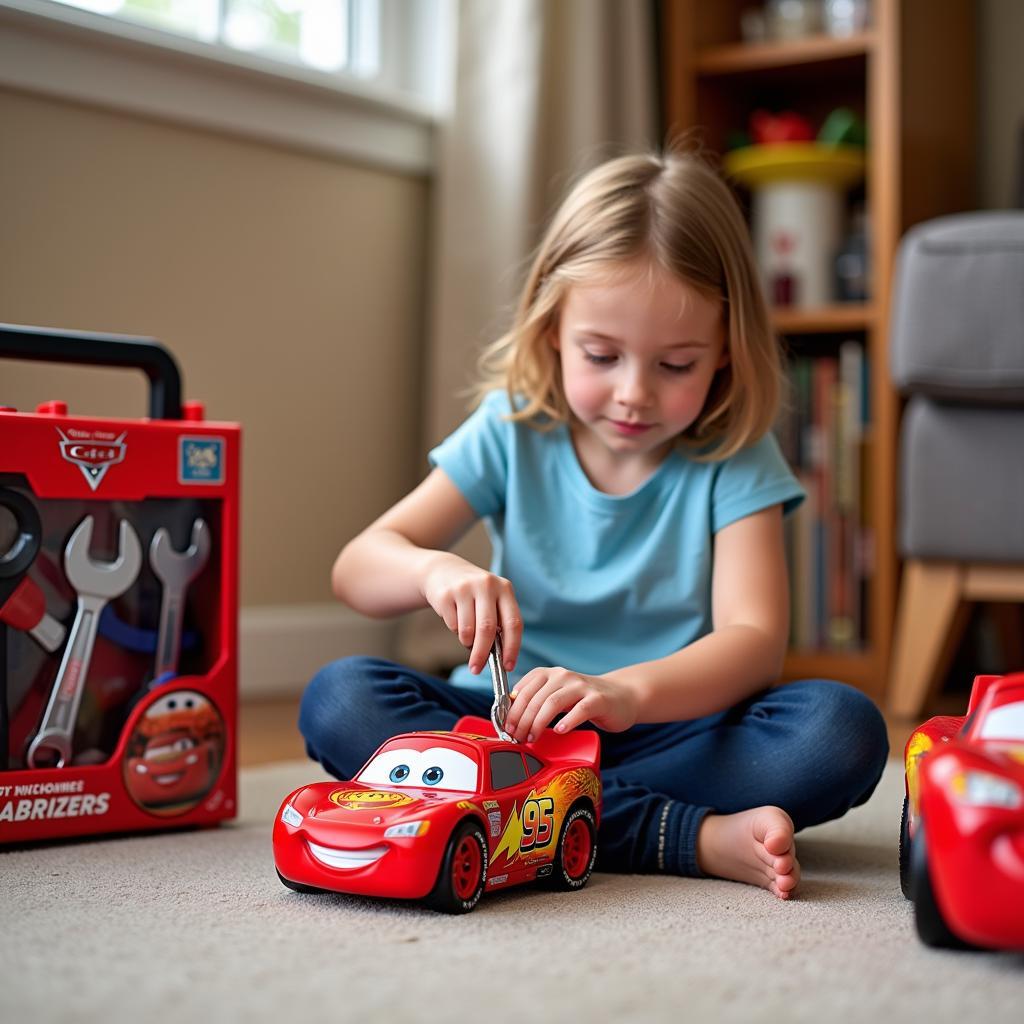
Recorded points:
(506, 769)
(329, 35)
(363, 79)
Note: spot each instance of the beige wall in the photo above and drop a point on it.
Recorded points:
(288, 286)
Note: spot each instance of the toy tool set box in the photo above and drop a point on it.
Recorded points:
(118, 605)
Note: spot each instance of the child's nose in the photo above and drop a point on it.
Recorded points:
(634, 389)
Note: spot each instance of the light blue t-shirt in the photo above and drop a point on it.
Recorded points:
(602, 580)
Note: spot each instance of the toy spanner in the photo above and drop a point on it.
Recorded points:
(96, 583)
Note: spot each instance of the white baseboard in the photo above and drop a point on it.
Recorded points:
(282, 646)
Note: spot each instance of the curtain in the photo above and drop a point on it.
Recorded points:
(543, 91)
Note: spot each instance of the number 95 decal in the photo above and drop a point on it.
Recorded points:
(538, 822)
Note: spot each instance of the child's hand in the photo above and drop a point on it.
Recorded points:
(545, 692)
(474, 604)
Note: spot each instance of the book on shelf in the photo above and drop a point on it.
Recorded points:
(822, 431)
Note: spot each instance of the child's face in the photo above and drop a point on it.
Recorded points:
(638, 352)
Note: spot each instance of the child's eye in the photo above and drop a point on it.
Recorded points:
(678, 368)
(598, 360)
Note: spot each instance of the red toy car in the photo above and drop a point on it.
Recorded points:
(442, 816)
(962, 839)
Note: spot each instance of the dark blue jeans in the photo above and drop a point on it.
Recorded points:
(814, 748)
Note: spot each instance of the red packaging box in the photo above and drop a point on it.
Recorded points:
(118, 605)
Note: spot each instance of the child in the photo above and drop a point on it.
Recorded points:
(621, 459)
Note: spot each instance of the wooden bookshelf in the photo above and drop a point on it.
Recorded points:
(826, 319)
(743, 58)
(911, 76)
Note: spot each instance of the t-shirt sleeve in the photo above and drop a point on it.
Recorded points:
(751, 480)
(475, 456)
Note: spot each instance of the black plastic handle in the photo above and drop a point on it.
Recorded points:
(45, 344)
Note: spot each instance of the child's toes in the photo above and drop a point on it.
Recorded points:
(783, 865)
(789, 881)
(779, 840)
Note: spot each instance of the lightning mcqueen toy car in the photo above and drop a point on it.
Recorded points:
(962, 838)
(442, 816)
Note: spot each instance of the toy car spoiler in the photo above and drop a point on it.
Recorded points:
(577, 745)
(979, 689)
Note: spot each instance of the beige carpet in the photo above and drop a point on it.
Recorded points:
(196, 927)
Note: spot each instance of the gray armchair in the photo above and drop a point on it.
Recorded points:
(957, 353)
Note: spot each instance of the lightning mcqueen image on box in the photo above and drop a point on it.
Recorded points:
(962, 838)
(443, 816)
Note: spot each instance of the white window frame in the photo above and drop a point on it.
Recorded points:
(69, 53)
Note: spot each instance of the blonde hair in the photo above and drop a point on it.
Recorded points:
(674, 210)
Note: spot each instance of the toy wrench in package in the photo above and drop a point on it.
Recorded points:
(118, 604)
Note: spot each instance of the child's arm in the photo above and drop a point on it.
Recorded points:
(399, 563)
(742, 655)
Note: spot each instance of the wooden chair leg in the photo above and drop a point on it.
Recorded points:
(928, 626)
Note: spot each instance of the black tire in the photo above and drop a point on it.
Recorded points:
(931, 925)
(445, 897)
(561, 878)
(905, 884)
(298, 886)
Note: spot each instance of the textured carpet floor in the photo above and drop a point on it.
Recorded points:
(196, 927)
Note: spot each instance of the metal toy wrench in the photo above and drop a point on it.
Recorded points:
(502, 696)
(96, 584)
(175, 570)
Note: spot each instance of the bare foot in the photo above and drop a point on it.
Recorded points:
(754, 846)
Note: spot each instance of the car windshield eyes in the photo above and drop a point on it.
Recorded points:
(431, 777)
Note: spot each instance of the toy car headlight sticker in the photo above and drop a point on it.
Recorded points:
(290, 816)
(409, 828)
(981, 789)
(439, 767)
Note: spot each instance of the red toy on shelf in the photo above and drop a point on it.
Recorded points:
(444, 816)
(962, 837)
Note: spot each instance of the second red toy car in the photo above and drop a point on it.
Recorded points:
(445, 816)
(962, 839)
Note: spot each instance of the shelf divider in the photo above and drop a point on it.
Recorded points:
(852, 316)
(737, 58)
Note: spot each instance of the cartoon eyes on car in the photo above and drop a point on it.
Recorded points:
(431, 777)
(436, 767)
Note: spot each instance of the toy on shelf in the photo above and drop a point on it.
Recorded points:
(767, 129)
(962, 835)
(798, 185)
(444, 816)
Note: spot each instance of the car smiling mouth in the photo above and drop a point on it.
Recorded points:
(168, 779)
(346, 860)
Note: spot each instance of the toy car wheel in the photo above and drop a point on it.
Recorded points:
(460, 882)
(931, 925)
(297, 886)
(576, 851)
(905, 850)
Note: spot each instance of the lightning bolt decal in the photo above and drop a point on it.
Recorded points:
(511, 838)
